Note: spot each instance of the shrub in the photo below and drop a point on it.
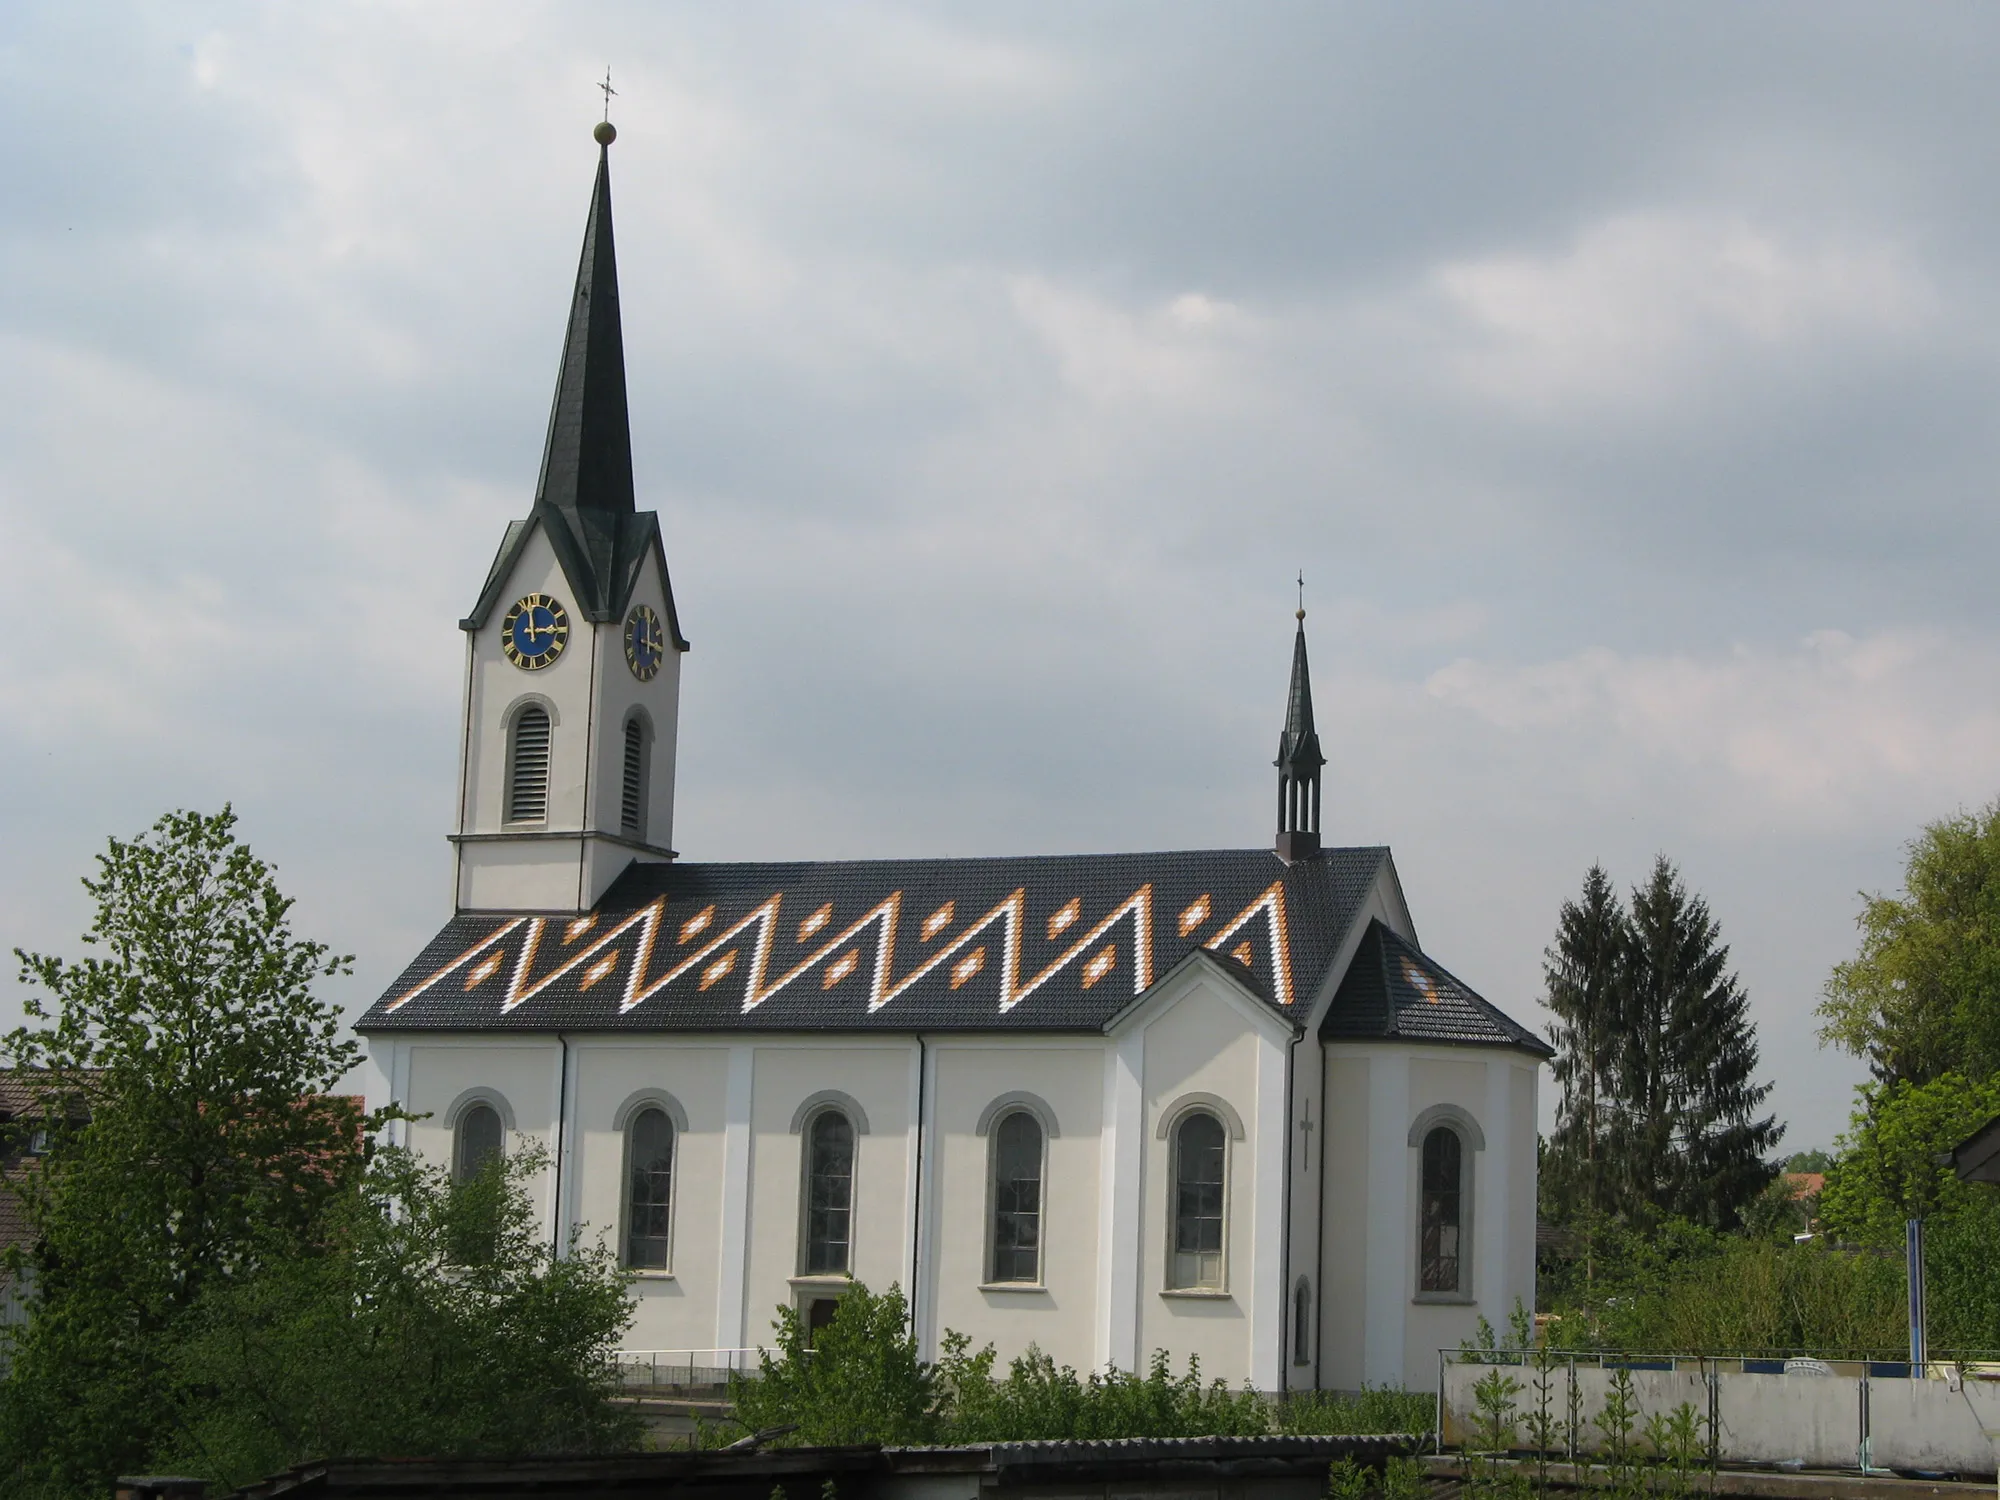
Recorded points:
(860, 1381)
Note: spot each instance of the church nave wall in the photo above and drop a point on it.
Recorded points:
(878, 1076)
(673, 1307)
(1202, 1055)
(1061, 1084)
(1380, 1323)
(519, 1076)
(1344, 1243)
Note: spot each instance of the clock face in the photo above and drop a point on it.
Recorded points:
(645, 643)
(534, 633)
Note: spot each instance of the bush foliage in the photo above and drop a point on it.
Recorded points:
(861, 1381)
(435, 1320)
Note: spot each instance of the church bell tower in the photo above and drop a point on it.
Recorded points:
(1299, 761)
(572, 673)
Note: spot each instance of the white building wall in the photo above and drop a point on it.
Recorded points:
(1344, 1247)
(1374, 1326)
(1060, 1314)
(739, 1173)
(588, 691)
(1200, 1043)
(496, 687)
(787, 1073)
(675, 1308)
(523, 1076)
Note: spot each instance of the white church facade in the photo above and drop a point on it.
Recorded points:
(1212, 1102)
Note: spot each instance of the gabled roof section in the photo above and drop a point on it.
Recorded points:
(1392, 992)
(1036, 943)
(584, 497)
(599, 596)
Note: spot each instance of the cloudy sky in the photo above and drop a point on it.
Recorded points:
(1621, 378)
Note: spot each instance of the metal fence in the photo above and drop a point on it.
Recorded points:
(1759, 1407)
(684, 1367)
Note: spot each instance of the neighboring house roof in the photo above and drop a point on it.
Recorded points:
(1977, 1157)
(1393, 992)
(1033, 943)
(19, 1096)
(1805, 1184)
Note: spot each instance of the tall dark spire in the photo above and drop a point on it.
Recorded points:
(587, 462)
(1299, 761)
(584, 501)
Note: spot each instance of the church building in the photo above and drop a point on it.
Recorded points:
(1216, 1102)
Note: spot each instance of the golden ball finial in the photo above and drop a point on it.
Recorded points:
(604, 132)
(1301, 614)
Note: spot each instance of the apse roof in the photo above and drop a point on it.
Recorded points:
(1031, 943)
(1391, 991)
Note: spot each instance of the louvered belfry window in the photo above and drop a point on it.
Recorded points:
(633, 810)
(528, 775)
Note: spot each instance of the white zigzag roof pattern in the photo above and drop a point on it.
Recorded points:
(601, 957)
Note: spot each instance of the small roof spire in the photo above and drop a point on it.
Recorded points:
(1298, 746)
(587, 461)
(1299, 760)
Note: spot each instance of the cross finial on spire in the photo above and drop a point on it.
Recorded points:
(1302, 594)
(607, 90)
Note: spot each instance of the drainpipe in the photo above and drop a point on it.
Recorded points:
(562, 1144)
(917, 1195)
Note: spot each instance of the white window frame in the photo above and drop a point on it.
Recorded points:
(990, 1128)
(626, 1117)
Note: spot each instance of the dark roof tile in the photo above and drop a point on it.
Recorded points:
(1044, 942)
(1393, 992)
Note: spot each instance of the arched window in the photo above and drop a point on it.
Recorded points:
(649, 1191)
(1017, 1198)
(1302, 1322)
(632, 805)
(1442, 1215)
(829, 1193)
(476, 1142)
(1199, 1149)
(528, 766)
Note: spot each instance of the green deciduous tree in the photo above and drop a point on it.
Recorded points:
(1887, 1170)
(219, 1280)
(393, 1339)
(1922, 996)
(213, 1140)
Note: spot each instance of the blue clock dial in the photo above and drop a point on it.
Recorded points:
(645, 643)
(535, 631)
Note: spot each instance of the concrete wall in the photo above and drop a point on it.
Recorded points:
(1820, 1421)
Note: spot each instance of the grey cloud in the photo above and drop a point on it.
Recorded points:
(993, 370)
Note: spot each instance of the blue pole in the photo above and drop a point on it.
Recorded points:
(1913, 1254)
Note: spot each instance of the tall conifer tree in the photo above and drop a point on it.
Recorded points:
(1687, 1142)
(1586, 971)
